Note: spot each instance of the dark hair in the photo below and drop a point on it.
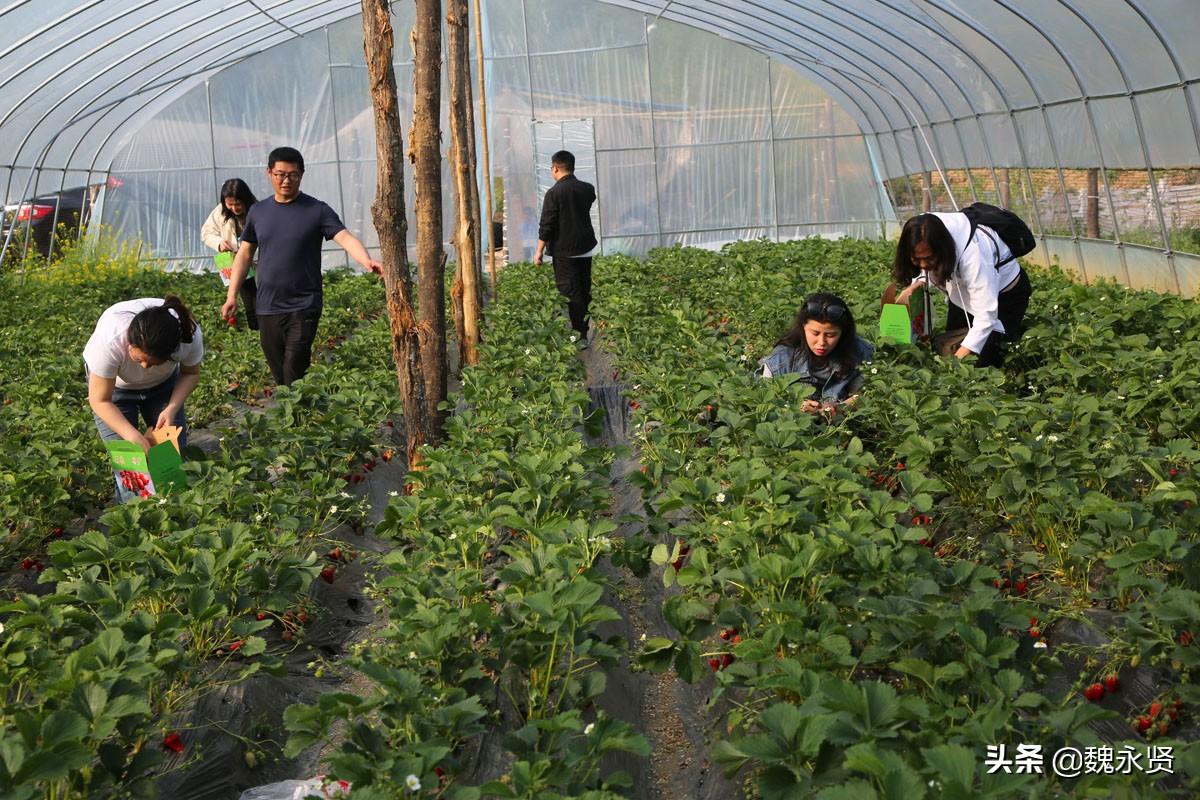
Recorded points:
(927, 229)
(564, 159)
(829, 308)
(237, 189)
(288, 155)
(157, 331)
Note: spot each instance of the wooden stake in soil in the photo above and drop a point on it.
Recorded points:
(426, 155)
(487, 163)
(462, 159)
(390, 224)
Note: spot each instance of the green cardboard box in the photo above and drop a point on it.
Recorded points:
(163, 463)
(224, 262)
(897, 324)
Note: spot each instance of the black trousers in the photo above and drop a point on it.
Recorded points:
(247, 293)
(573, 279)
(287, 343)
(1011, 308)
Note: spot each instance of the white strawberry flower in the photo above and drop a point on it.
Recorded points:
(588, 730)
(720, 497)
(413, 783)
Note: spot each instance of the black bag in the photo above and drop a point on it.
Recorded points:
(1011, 229)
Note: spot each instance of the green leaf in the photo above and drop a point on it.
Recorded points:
(955, 763)
(63, 726)
(850, 790)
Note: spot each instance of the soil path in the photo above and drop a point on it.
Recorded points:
(672, 714)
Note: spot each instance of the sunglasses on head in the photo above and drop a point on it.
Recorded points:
(824, 312)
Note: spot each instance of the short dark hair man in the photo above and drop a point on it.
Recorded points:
(565, 234)
(287, 230)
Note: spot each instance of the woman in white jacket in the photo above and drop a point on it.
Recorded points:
(987, 290)
(222, 232)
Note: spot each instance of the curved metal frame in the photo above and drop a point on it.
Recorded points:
(848, 49)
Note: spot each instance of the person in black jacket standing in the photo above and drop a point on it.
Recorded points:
(565, 234)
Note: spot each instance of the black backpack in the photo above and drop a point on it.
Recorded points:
(1011, 229)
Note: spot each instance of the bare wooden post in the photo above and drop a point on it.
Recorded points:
(487, 163)
(926, 192)
(1092, 213)
(425, 153)
(462, 159)
(1003, 190)
(388, 214)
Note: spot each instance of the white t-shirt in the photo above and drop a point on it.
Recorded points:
(107, 351)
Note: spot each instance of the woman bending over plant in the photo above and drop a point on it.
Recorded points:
(143, 359)
(824, 350)
(987, 290)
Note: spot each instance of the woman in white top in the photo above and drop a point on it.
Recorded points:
(222, 232)
(143, 360)
(987, 290)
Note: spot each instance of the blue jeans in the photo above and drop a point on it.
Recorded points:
(148, 404)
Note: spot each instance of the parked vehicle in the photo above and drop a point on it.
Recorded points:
(74, 208)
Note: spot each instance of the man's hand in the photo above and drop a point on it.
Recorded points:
(810, 406)
(229, 309)
(537, 258)
(374, 266)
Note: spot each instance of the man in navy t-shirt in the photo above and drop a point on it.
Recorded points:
(287, 231)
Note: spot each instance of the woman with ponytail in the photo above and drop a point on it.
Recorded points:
(143, 360)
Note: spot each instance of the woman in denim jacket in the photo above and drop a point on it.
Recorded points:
(824, 350)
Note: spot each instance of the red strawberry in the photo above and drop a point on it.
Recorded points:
(303, 617)
(1094, 693)
(1143, 723)
(1173, 714)
(390, 423)
(172, 742)
(899, 465)
(1174, 472)
(387, 455)
(1111, 683)
(260, 616)
(56, 532)
(736, 639)
(709, 409)
(714, 664)
(233, 648)
(1035, 632)
(268, 392)
(1185, 638)
(634, 405)
(999, 584)
(1155, 708)
(725, 634)
(335, 554)
(327, 574)
(286, 636)
(30, 562)
(726, 659)
(232, 320)
(677, 564)
(1021, 586)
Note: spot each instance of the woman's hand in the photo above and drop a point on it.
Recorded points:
(902, 298)
(167, 416)
(810, 406)
(141, 441)
(226, 247)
